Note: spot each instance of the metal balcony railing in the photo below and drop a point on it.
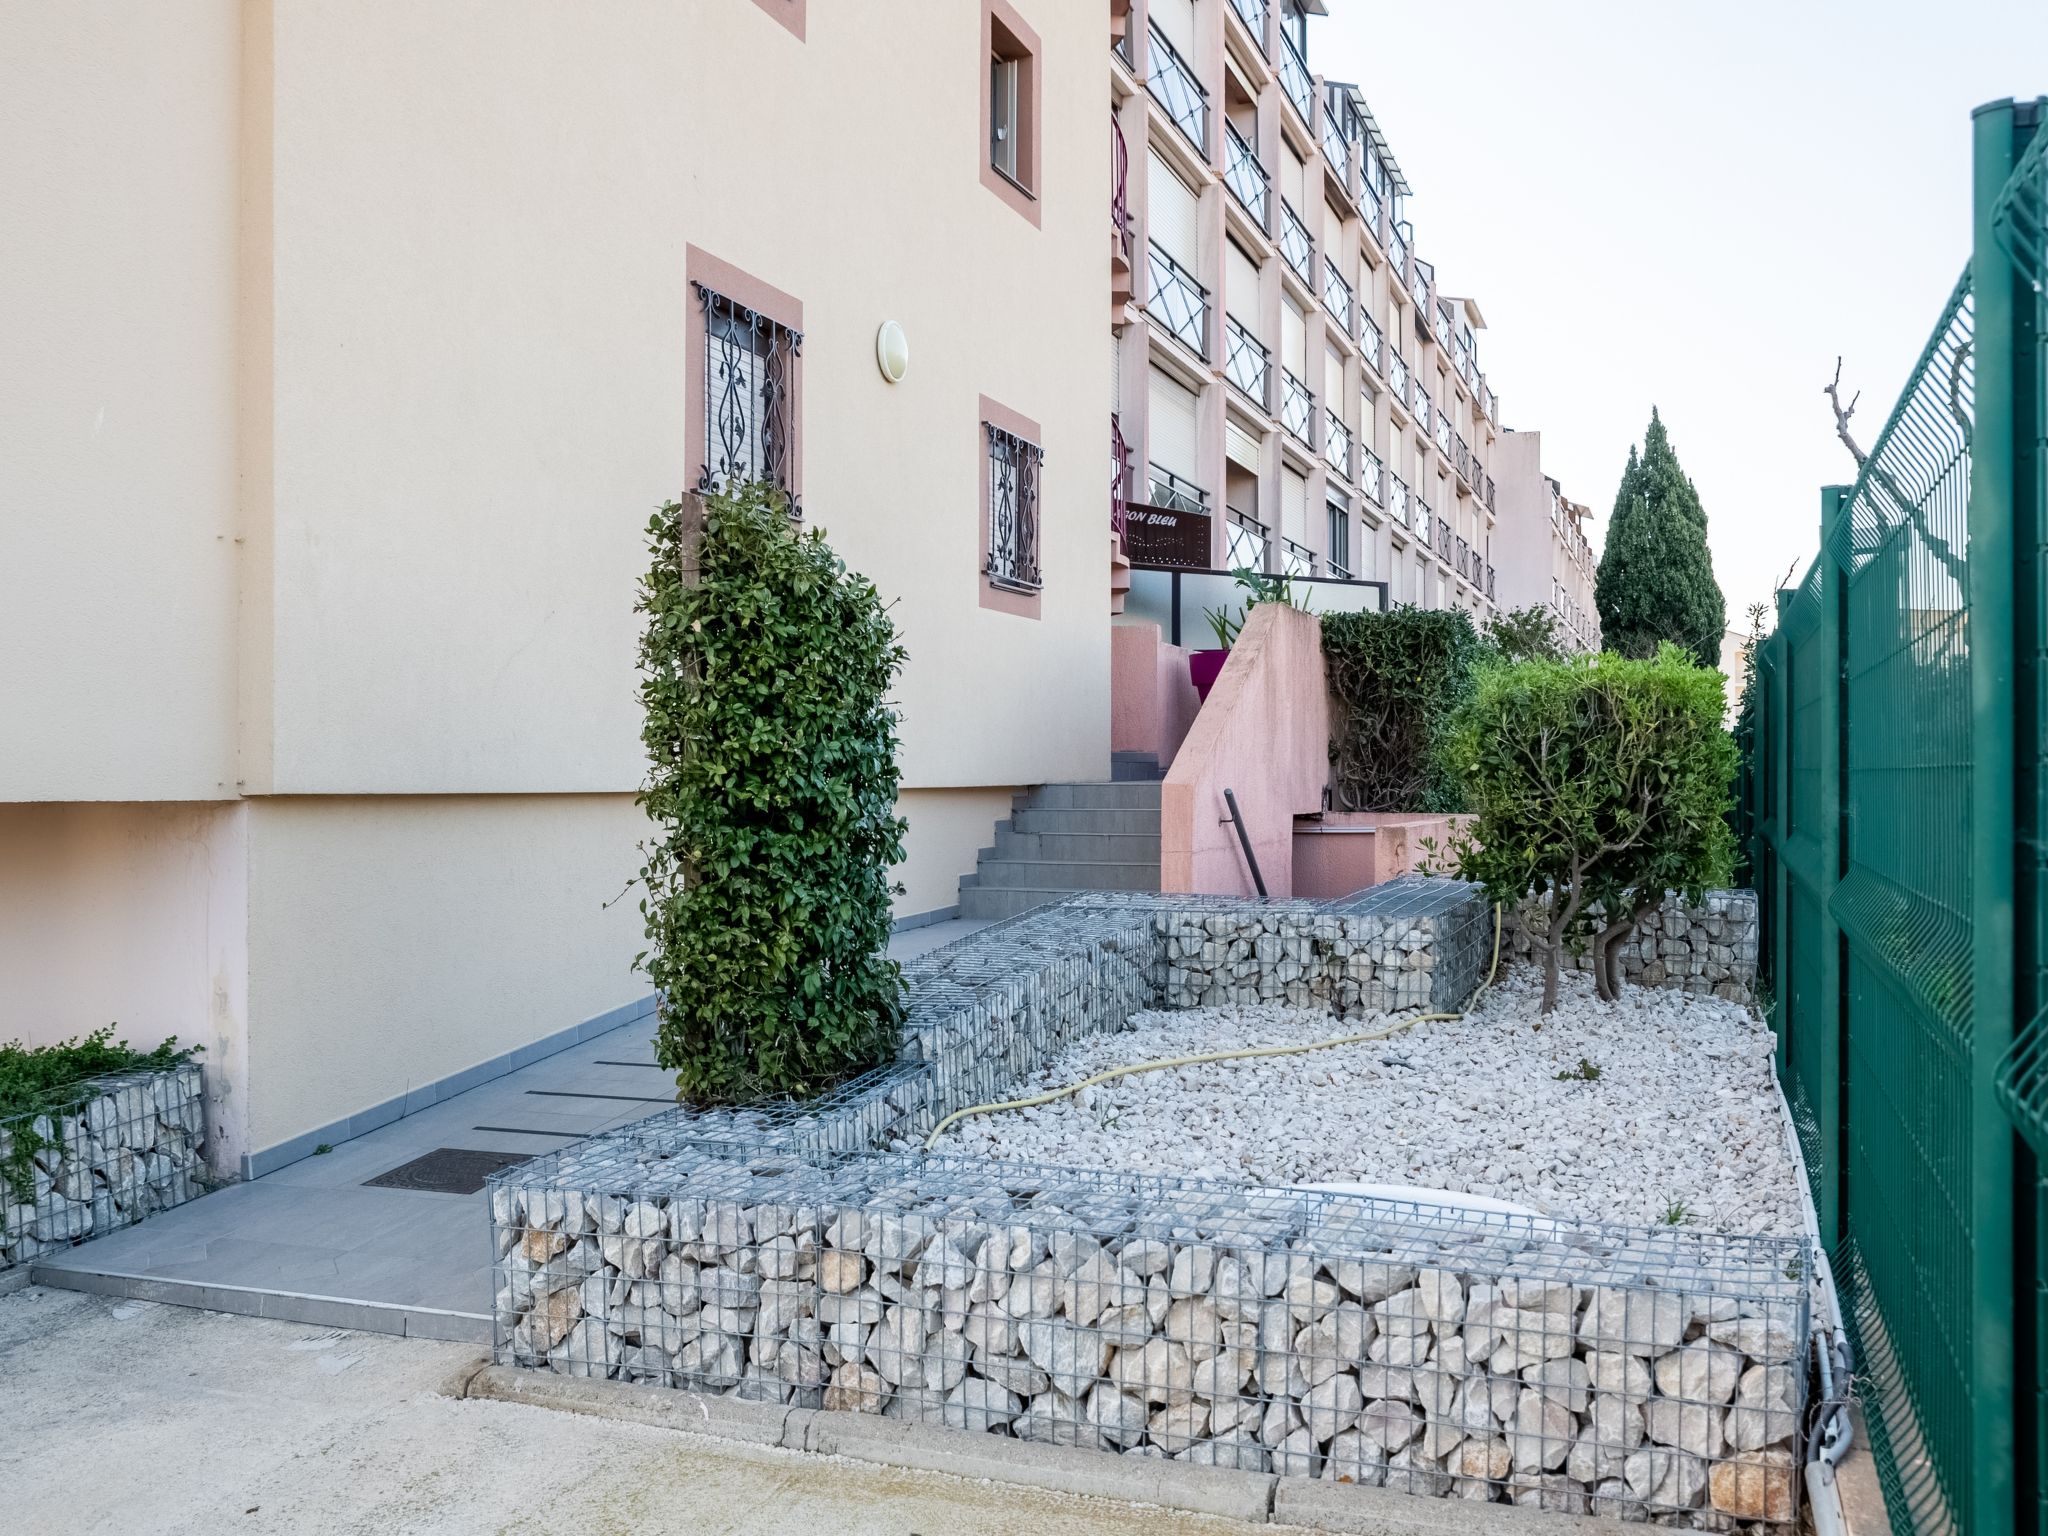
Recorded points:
(1421, 404)
(1246, 362)
(1296, 559)
(1295, 245)
(1461, 457)
(1397, 254)
(1336, 444)
(1337, 295)
(1369, 207)
(1247, 541)
(1294, 77)
(1488, 497)
(1246, 178)
(1463, 562)
(1119, 478)
(1297, 406)
(1168, 490)
(1371, 474)
(1397, 499)
(1370, 341)
(1397, 376)
(1177, 301)
(1174, 86)
(1336, 148)
(1253, 14)
(1489, 581)
(1120, 169)
(1443, 538)
(1121, 47)
(1440, 432)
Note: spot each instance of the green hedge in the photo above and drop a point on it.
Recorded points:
(1394, 679)
(52, 1079)
(766, 668)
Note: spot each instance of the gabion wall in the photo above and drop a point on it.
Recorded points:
(134, 1148)
(1642, 1373)
(1709, 948)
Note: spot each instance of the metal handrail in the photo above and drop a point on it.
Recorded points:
(1120, 167)
(1247, 179)
(1246, 362)
(1295, 81)
(1296, 246)
(1236, 819)
(1168, 490)
(1297, 406)
(1180, 91)
(1172, 288)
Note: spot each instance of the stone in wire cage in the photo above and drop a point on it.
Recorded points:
(1579, 1367)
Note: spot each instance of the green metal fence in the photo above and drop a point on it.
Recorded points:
(1900, 804)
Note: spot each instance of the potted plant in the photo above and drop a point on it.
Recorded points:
(1204, 667)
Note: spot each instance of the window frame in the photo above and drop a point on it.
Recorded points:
(1007, 39)
(709, 282)
(999, 592)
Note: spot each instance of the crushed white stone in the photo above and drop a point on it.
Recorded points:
(1682, 1123)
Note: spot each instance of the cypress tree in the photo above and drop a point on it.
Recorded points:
(1656, 578)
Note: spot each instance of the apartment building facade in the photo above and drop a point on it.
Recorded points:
(352, 349)
(1293, 391)
(1547, 559)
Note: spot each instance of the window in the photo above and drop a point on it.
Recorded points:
(1012, 510)
(1340, 537)
(750, 385)
(1010, 107)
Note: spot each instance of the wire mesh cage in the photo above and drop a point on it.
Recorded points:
(1639, 1372)
(117, 1149)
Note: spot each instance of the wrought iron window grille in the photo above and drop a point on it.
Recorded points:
(1013, 465)
(750, 368)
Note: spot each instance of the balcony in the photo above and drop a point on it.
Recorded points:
(1336, 444)
(1174, 87)
(1119, 477)
(1119, 205)
(1397, 499)
(1397, 254)
(1246, 362)
(1443, 540)
(1246, 178)
(1168, 490)
(1463, 562)
(1337, 295)
(1461, 457)
(1419, 516)
(1253, 14)
(1369, 206)
(1370, 341)
(1489, 582)
(1297, 406)
(1295, 246)
(1295, 79)
(1370, 474)
(1336, 148)
(1420, 404)
(1178, 302)
(1296, 559)
(1397, 376)
(1441, 434)
(1248, 538)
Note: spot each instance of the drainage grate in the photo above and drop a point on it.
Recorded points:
(447, 1171)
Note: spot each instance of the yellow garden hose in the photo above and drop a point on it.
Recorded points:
(1194, 1061)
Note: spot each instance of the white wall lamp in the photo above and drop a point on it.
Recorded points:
(892, 351)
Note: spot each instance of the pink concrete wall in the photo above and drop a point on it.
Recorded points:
(1152, 702)
(1264, 733)
(1347, 851)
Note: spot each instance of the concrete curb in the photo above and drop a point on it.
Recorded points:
(17, 1279)
(1255, 1498)
(282, 1306)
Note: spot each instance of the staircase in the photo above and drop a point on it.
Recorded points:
(1063, 838)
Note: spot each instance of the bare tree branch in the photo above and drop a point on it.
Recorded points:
(1834, 393)
(1955, 391)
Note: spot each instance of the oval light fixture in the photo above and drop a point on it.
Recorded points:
(892, 351)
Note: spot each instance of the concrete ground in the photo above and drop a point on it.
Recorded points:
(314, 1243)
(137, 1418)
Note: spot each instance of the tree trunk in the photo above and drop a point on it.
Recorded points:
(1550, 959)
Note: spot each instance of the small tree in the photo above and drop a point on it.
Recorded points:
(772, 780)
(1525, 634)
(1394, 680)
(1656, 577)
(1601, 781)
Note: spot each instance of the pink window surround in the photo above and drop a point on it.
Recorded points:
(1004, 30)
(724, 278)
(1025, 605)
(789, 12)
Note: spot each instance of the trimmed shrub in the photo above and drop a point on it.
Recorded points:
(1394, 679)
(52, 1080)
(1601, 780)
(772, 787)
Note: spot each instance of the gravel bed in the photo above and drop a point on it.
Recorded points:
(1682, 1123)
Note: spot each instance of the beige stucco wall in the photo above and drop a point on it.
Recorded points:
(117, 380)
(395, 940)
(133, 915)
(947, 828)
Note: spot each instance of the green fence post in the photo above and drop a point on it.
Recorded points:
(1992, 574)
(1828, 1021)
(1778, 762)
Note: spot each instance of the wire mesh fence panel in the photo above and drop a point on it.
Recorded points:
(1577, 1367)
(116, 1149)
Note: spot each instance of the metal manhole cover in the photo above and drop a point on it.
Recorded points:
(447, 1171)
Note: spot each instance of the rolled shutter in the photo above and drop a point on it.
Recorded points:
(1240, 286)
(1170, 214)
(1176, 18)
(1333, 383)
(1293, 507)
(1333, 235)
(1294, 340)
(1294, 182)
(1240, 447)
(1173, 426)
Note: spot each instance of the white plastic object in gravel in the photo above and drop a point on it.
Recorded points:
(1681, 1124)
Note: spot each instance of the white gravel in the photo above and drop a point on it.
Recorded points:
(1682, 1123)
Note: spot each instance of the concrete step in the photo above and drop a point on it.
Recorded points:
(987, 902)
(1071, 875)
(1135, 768)
(1090, 797)
(1066, 819)
(1088, 847)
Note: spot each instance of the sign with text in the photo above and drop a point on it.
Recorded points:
(1166, 536)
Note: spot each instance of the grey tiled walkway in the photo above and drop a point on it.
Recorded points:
(311, 1243)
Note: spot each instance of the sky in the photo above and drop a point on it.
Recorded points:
(1695, 206)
